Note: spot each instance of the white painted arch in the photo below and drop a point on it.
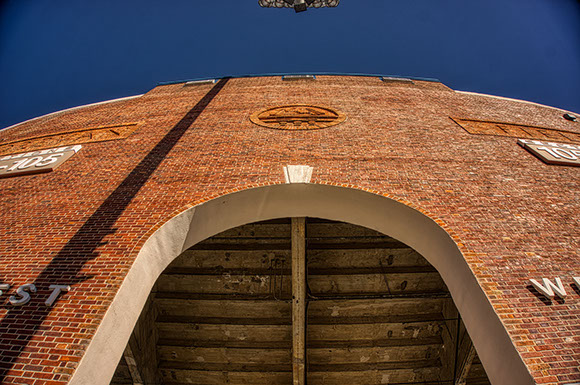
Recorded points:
(499, 356)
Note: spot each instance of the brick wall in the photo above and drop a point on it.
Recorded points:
(513, 216)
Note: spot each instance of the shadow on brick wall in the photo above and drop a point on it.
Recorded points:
(20, 325)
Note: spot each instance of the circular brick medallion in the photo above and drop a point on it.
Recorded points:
(298, 117)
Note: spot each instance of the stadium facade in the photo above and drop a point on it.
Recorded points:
(283, 229)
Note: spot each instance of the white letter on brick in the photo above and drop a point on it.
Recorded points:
(4, 286)
(549, 288)
(25, 297)
(56, 290)
(577, 281)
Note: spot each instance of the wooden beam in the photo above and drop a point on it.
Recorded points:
(141, 348)
(185, 376)
(132, 365)
(449, 337)
(466, 355)
(298, 301)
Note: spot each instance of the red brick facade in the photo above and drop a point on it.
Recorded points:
(512, 216)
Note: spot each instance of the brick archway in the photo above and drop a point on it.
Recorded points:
(494, 346)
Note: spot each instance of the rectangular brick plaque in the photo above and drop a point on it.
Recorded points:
(86, 135)
(481, 127)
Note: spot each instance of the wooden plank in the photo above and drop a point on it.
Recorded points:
(477, 370)
(381, 318)
(340, 229)
(374, 307)
(257, 230)
(122, 375)
(378, 342)
(298, 301)
(223, 320)
(372, 355)
(354, 258)
(373, 333)
(219, 270)
(449, 337)
(225, 284)
(336, 335)
(465, 355)
(465, 366)
(228, 335)
(353, 335)
(224, 308)
(225, 355)
(482, 381)
(141, 352)
(242, 344)
(370, 270)
(244, 244)
(312, 271)
(374, 377)
(370, 366)
(272, 296)
(375, 283)
(231, 259)
(353, 243)
(219, 261)
(477, 375)
(132, 366)
(206, 377)
(227, 366)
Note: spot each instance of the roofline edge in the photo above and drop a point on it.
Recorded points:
(71, 109)
(512, 100)
(299, 73)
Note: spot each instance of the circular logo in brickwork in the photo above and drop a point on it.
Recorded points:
(298, 117)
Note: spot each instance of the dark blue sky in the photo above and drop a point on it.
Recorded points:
(56, 54)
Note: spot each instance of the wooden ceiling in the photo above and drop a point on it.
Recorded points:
(377, 313)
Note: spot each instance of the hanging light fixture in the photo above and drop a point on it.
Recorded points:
(298, 5)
